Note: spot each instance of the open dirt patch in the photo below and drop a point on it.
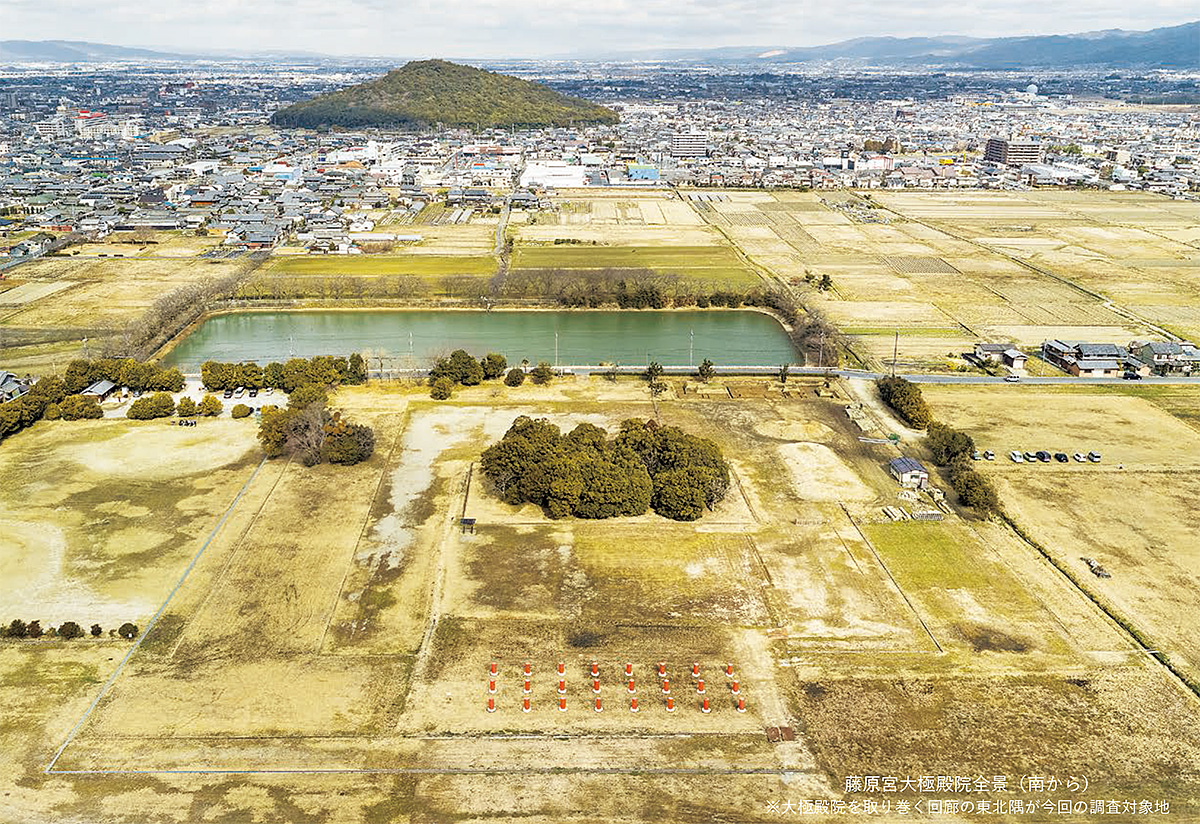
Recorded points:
(818, 474)
(153, 450)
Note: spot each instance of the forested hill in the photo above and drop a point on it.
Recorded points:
(428, 92)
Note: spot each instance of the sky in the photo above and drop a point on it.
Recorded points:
(539, 28)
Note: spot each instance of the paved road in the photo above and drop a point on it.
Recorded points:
(811, 371)
(861, 374)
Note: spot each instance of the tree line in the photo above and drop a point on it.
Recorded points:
(68, 630)
(586, 474)
(171, 313)
(460, 368)
(949, 447)
(126, 372)
(322, 370)
(46, 400)
(905, 398)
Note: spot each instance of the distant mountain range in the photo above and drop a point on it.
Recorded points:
(425, 92)
(76, 51)
(1176, 47)
(1173, 47)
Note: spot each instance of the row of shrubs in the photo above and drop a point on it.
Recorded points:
(128, 372)
(68, 630)
(323, 370)
(53, 398)
(949, 447)
(162, 405)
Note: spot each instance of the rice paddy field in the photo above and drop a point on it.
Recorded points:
(946, 269)
(593, 229)
(321, 639)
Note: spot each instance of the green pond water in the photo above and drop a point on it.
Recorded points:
(413, 338)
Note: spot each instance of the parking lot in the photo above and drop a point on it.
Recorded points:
(116, 407)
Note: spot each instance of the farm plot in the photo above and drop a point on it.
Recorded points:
(107, 292)
(699, 263)
(415, 265)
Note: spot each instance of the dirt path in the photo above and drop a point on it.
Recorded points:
(864, 392)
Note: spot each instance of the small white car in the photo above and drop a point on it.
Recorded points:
(1012, 378)
(1080, 457)
(1016, 457)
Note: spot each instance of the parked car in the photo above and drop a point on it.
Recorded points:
(1094, 566)
(1015, 456)
(1094, 457)
(1132, 376)
(270, 390)
(254, 393)
(1012, 378)
(1061, 457)
(228, 393)
(241, 390)
(1031, 457)
(989, 455)
(1079, 456)
(977, 455)
(1043, 456)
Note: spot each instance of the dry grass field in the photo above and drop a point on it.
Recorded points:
(341, 620)
(1130, 512)
(101, 294)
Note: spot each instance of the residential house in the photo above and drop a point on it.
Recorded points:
(1166, 357)
(1092, 360)
(12, 387)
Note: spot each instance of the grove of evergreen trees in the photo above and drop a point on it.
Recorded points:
(586, 474)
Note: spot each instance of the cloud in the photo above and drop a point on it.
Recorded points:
(519, 28)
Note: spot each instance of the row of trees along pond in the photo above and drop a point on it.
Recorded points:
(323, 370)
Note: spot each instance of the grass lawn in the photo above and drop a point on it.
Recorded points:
(418, 265)
(695, 262)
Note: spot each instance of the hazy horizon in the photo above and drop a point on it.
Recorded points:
(491, 29)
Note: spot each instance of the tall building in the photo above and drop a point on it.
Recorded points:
(1008, 152)
(689, 145)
